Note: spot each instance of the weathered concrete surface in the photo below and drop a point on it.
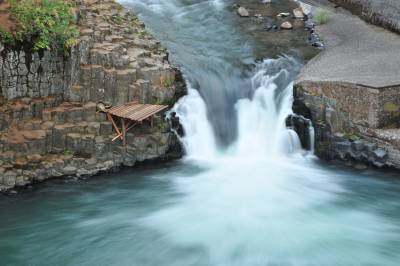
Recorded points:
(357, 53)
(351, 91)
(385, 13)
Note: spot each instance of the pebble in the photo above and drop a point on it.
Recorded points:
(283, 14)
(286, 25)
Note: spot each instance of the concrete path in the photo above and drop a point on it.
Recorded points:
(356, 52)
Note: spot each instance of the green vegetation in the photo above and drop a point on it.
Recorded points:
(46, 24)
(321, 16)
(68, 152)
(167, 82)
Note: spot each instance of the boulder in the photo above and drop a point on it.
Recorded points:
(69, 170)
(380, 155)
(309, 24)
(298, 13)
(306, 8)
(266, 1)
(242, 12)
(286, 25)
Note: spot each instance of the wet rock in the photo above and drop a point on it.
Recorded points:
(69, 170)
(380, 155)
(302, 127)
(318, 44)
(309, 24)
(357, 145)
(306, 9)
(283, 14)
(298, 13)
(286, 25)
(343, 146)
(315, 40)
(360, 166)
(9, 178)
(270, 26)
(243, 12)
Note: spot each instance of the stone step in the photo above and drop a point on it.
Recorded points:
(15, 111)
(69, 112)
(105, 84)
(80, 143)
(24, 142)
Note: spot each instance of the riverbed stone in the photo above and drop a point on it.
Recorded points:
(243, 12)
(298, 13)
(286, 25)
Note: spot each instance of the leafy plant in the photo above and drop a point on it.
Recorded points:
(47, 24)
(6, 37)
(321, 16)
(167, 82)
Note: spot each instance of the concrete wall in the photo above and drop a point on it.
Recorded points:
(352, 123)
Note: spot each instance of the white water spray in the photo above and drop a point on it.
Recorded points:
(260, 200)
(262, 131)
(199, 141)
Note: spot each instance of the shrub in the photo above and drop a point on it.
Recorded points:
(167, 82)
(46, 24)
(321, 16)
(68, 152)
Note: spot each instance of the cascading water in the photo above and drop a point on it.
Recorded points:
(261, 200)
(192, 113)
(260, 119)
(246, 194)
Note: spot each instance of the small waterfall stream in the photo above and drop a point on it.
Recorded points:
(246, 193)
(260, 118)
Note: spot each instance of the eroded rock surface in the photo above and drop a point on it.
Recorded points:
(49, 126)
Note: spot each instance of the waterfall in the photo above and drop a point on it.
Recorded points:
(261, 128)
(198, 140)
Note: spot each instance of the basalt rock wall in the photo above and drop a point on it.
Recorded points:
(49, 125)
(353, 123)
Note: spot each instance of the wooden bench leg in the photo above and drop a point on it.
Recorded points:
(123, 131)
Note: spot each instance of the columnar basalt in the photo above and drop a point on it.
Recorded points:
(353, 123)
(351, 90)
(49, 125)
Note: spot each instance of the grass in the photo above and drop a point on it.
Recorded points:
(321, 16)
(45, 24)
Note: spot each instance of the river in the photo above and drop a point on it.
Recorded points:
(245, 194)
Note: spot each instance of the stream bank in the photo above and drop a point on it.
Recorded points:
(351, 91)
(49, 125)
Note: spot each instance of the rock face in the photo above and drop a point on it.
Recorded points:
(49, 126)
(384, 13)
(353, 123)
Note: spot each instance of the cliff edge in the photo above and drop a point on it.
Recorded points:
(49, 125)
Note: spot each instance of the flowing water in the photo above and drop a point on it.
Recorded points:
(245, 194)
